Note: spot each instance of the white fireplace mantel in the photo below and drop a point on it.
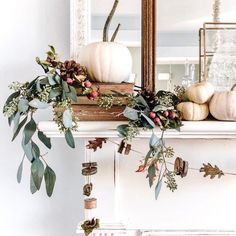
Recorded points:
(189, 130)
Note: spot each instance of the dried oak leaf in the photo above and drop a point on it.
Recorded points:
(95, 144)
(211, 171)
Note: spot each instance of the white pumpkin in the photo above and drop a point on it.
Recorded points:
(193, 111)
(107, 61)
(200, 93)
(223, 105)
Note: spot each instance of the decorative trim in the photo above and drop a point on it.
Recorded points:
(194, 130)
(79, 26)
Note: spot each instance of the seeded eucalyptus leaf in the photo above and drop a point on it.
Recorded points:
(160, 108)
(158, 189)
(36, 103)
(50, 179)
(28, 150)
(150, 122)
(10, 119)
(154, 141)
(35, 150)
(11, 97)
(54, 93)
(23, 105)
(37, 171)
(16, 121)
(122, 129)
(65, 87)
(72, 94)
(130, 113)
(141, 101)
(51, 80)
(38, 86)
(67, 118)
(44, 139)
(22, 123)
(19, 171)
(151, 174)
(69, 138)
(33, 188)
(29, 130)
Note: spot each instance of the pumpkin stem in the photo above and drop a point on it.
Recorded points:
(234, 86)
(108, 21)
(115, 33)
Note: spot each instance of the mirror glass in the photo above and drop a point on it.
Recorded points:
(178, 24)
(128, 14)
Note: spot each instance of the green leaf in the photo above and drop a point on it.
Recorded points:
(154, 141)
(35, 150)
(67, 118)
(19, 171)
(27, 150)
(11, 97)
(54, 93)
(150, 122)
(38, 86)
(29, 130)
(141, 101)
(73, 94)
(160, 108)
(122, 129)
(69, 138)
(44, 139)
(10, 119)
(33, 188)
(51, 80)
(50, 179)
(37, 171)
(158, 189)
(23, 105)
(65, 86)
(151, 174)
(36, 103)
(22, 123)
(52, 49)
(130, 113)
(16, 121)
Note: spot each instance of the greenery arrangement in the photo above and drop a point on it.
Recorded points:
(55, 88)
(148, 110)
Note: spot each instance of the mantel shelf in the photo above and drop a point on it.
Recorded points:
(190, 130)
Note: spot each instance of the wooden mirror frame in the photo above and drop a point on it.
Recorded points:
(148, 44)
(79, 36)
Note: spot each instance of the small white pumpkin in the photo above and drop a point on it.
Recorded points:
(193, 111)
(200, 93)
(107, 61)
(223, 105)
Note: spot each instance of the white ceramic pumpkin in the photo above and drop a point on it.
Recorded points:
(200, 93)
(193, 111)
(223, 105)
(107, 61)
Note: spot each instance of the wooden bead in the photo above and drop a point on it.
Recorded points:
(90, 203)
(89, 164)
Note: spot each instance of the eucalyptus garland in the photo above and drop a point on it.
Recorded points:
(55, 88)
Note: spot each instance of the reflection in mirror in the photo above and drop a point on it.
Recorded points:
(178, 24)
(128, 14)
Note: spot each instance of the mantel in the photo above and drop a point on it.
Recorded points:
(190, 130)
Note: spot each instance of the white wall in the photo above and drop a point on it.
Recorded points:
(26, 28)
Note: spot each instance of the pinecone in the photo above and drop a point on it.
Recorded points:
(149, 97)
(70, 70)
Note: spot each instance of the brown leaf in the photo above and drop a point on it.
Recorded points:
(95, 144)
(211, 171)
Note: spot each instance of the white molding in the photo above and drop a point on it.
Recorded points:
(79, 25)
(193, 130)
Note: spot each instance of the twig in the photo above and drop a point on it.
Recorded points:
(108, 21)
(115, 33)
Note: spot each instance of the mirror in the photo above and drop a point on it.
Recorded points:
(128, 14)
(178, 24)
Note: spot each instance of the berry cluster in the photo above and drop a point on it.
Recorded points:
(158, 117)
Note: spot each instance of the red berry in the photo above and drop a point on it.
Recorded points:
(165, 114)
(156, 120)
(93, 95)
(69, 81)
(172, 115)
(152, 115)
(87, 84)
